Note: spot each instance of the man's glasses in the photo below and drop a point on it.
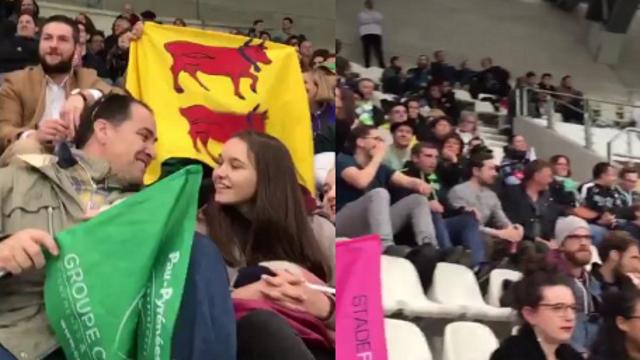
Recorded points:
(580, 237)
(560, 308)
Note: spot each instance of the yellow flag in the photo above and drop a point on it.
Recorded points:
(205, 86)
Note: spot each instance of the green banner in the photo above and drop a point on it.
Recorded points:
(114, 291)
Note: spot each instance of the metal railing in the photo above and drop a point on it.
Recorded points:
(629, 132)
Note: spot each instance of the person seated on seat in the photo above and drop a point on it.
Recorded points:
(467, 127)
(564, 189)
(605, 202)
(323, 111)
(454, 227)
(438, 130)
(451, 165)
(492, 80)
(413, 107)
(620, 268)
(632, 226)
(435, 98)
(571, 105)
(21, 50)
(449, 102)
(627, 185)
(475, 195)
(464, 74)
(546, 308)
(368, 108)
(572, 256)
(419, 76)
(393, 77)
(116, 142)
(517, 155)
(258, 224)
(86, 58)
(363, 201)
(44, 102)
(399, 151)
(440, 70)
(546, 83)
(618, 336)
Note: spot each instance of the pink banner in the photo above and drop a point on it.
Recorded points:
(359, 314)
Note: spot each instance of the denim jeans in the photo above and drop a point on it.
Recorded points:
(462, 230)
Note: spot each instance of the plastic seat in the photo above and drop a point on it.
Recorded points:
(463, 95)
(405, 341)
(496, 280)
(402, 292)
(465, 340)
(457, 285)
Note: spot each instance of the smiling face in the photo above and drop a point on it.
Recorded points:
(235, 178)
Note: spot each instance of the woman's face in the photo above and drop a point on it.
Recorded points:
(453, 146)
(310, 85)
(329, 191)
(561, 167)
(631, 327)
(27, 6)
(235, 178)
(554, 318)
(520, 144)
(121, 26)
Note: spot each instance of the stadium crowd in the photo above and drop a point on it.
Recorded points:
(257, 240)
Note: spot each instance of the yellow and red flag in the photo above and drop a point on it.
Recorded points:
(205, 86)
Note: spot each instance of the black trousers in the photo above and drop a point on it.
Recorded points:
(372, 41)
(265, 335)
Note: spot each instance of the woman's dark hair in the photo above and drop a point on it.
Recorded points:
(89, 25)
(600, 169)
(532, 168)
(179, 21)
(114, 108)
(279, 228)
(610, 343)
(456, 137)
(113, 25)
(264, 33)
(323, 53)
(348, 111)
(555, 158)
(36, 9)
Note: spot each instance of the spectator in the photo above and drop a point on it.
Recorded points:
(370, 25)
(546, 307)
(533, 97)
(546, 83)
(570, 106)
(21, 50)
(393, 78)
(256, 28)
(449, 102)
(24, 110)
(564, 189)
(438, 130)
(633, 225)
(464, 75)
(399, 152)
(475, 196)
(319, 57)
(516, 156)
(306, 53)
(627, 185)
(179, 22)
(265, 36)
(467, 127)
(450, 166)
(96, 45)
(530, 204)
(397, 114)
(83, 18)
(603, 199)
(286, 30)
(147, 15)
(413, 114)
(8, 27)
(492, 80)
(364, 201)
(474, 143)
(440, 70)
(329, 195)
(127, 10)
(452, 226)
(618, 335)
(435, 98)
(293, 40)
(574, 253)
(118, 59)
(323, 111)
(88, 59)
(620, 257)
(345, 116)
(368, 108)
(419, 76)
(120, 25)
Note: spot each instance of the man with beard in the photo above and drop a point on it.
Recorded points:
(571, 257)
(620, 267)
(42, 104)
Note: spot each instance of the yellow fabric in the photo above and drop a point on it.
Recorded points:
(280, 92)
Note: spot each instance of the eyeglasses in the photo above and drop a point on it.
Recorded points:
(560, 308)
(580, 237)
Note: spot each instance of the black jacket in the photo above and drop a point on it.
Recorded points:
(18, 52)
(518, 207)
(621, 283)
(525, 346)
(97, 63)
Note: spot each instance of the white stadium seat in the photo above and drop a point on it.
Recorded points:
(496, 280)
(402, 292)
(468, 341)
(595, 258)
(455, 284)
(405, 341)
(463, 95)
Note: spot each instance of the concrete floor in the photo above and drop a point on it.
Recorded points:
(521, 35)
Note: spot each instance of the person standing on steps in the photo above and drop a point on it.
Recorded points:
(370, 25)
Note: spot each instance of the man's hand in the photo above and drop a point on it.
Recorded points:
(22, 251)
(52, 130)
(512, 233)
(607, 219)
(421, 187)
(137, 31)
(448, 155)
(72, 109)
(475, 212)
(436, 207)
(378, 151)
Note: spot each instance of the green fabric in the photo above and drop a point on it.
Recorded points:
(569, 184)
(114, 290)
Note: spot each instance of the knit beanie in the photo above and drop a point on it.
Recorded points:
(566, 226)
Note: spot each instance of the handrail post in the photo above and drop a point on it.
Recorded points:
(550, 112)
(518, 102)
(525, 102)
(629, 145)
(588, 140)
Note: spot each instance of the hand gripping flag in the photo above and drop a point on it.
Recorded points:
(206, 86)
(115, 289)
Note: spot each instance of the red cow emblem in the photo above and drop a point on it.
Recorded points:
(234, 63)
(206, 124)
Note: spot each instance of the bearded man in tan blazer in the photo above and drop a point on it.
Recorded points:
(41, 105)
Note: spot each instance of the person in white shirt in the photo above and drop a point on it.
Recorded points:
(370, 25)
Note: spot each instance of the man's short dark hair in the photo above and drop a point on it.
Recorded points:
(114, 108)
(532, 168)
(626, 171)
(29, 15)
(396, 126)
(620, 241)
(477, 157)
(63, 19)
(148, 15)
(97, 33)
(288, 19)
(600, 169)
(530, 74)
(258, 21)
(418, 147)
(546, 75)
(356, 133)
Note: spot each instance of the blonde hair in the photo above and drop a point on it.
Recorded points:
(324, 84)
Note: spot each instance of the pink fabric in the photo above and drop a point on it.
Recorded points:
(359, 314)
(312, 331)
